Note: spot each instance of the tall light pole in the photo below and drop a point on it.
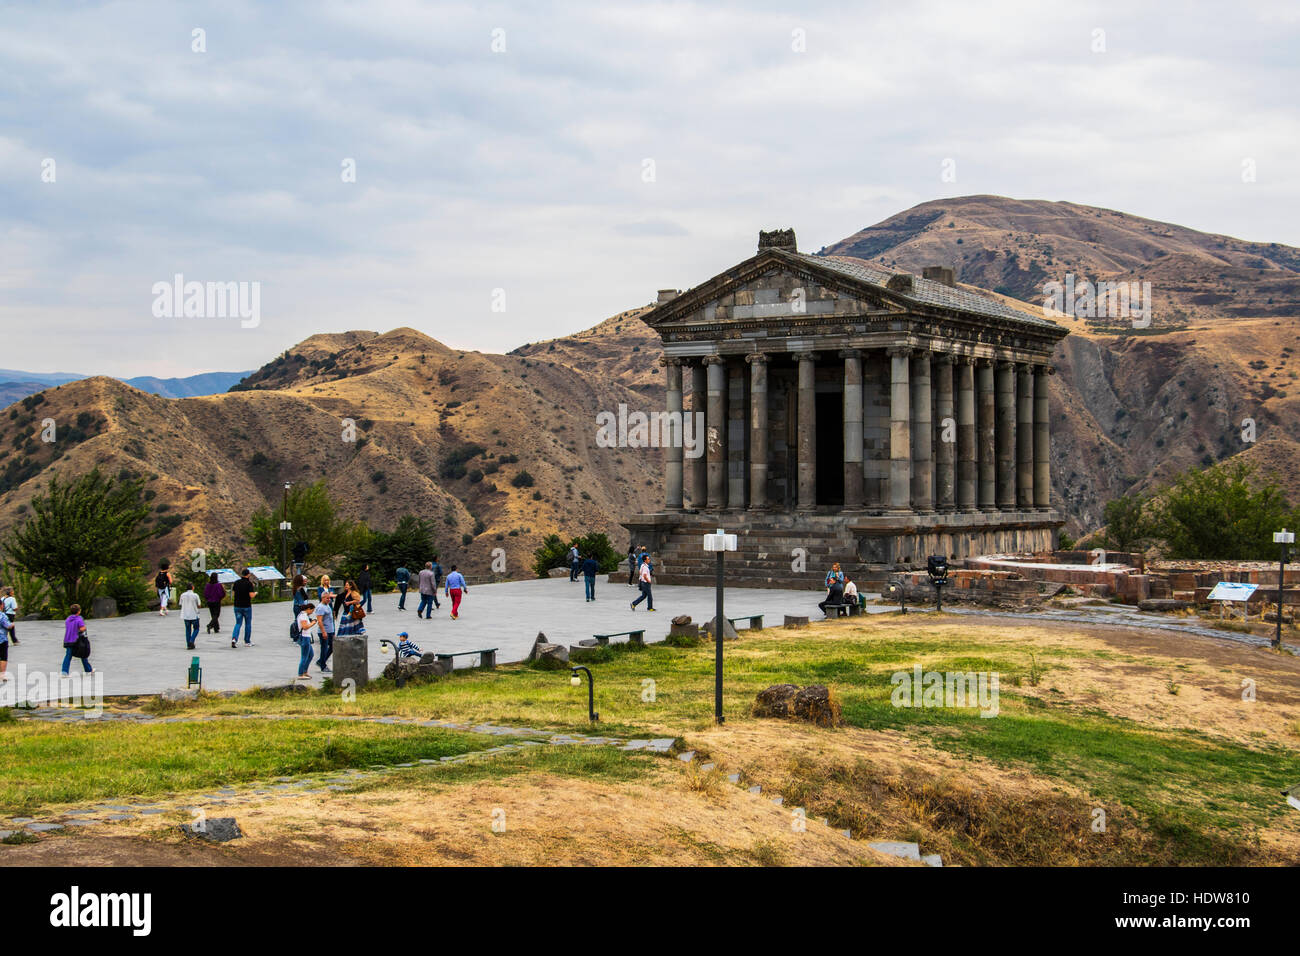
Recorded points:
(721, 542)
(284, 529)
(1284, 538)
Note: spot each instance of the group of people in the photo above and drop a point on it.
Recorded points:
(840, 589)
(640, 572)
(427, 583)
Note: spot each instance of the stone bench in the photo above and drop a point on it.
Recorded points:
(795, 620)
(633, 637)
(755, 621)
(488, 657)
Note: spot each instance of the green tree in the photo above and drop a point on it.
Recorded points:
(409, 544)
(315, 520)
(1128, 522)
(553, 552)
(78, 526)
(1224, 512)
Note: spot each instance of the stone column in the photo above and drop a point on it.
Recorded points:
(807, 430)
(1006, 416)
(671, 436)
(757, 431)
(716, 432)
(922, 435)
(945, 430)
(966, 478)
(987, 454)
(853, 479)
(1025, 437)
(1042, 440)
(698, 477)
(900, 431)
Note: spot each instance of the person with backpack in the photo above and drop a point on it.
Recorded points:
(363, 583)
(301, 632)
(214, 592)
(243, 591)
(75, 641)
(403, 577)
(590, 568)
(300, 596)
(162, 582)
(190, 604)
(10, 608)
(575, 562)
(456, 589)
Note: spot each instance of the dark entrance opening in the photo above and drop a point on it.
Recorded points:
(830, 448)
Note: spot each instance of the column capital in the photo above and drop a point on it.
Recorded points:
(1025, 368)
(943, 358)
(805, 355)
(754, 358)
(1004, 364)
(1042, 368)
(714, 359)
(850, 353)
(899, 351)
(666, 360)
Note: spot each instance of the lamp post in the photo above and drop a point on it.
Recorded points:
(937, 567)
(719, 542)
(285, 526)
(384, 644)
(1284, 538)
(576, 681)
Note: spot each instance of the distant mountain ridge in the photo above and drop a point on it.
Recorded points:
(16, 384)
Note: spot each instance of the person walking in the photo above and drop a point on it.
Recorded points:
(306, 628)
(456, 589)
(631, 565)
(243, 591)
(363, 584)
(437, 580)
(575, 561)
(10, 607)
(4, 645)
(75, 641)
(403, 577)
(645, 581)
(590, 568)
(325, 618)
(214, 592)
(162, 582)
(428, 587)
(190, 605)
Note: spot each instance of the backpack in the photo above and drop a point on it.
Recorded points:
(294, 633)
(160, 581)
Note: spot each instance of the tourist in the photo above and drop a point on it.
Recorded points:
(300, 596)
(363, 583)
(190, 604)
(322, 588)
(834, 595)
(850, 592)
(590, 568)
(75, 641)
(243, 591)
(306, 624)
(631, 565)
(456, 588)
(10, 607)
(4, 645)
(645, 579)
(574, 563)
(428, 592)
(325, 617)
(835, 575)
(162, 582)
(403, 577)
(214, 592)
(437, 580)
(408, 648)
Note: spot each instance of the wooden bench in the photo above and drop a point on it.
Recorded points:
(633, 637)
(488, 657)
(842, 608)
(195, 675)
(755, 621)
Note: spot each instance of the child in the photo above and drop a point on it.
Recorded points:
(407, 648)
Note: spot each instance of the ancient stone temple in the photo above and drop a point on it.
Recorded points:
(851, 414)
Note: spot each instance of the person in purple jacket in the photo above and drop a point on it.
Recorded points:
(214, 592)
(74, 627)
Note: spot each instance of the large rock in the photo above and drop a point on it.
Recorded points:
(103, 607)
(351, 660)
(816, 704)
(775, 701)
(558, 573)
(215, 829)
(176, 694)
(728, 631)
(681, 619)
(551, 656)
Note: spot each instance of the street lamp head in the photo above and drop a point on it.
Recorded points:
(720, 541)
(1284, 537)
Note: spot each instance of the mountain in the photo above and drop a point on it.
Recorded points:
(16, 384)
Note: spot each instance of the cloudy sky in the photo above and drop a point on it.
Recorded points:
(577, 156)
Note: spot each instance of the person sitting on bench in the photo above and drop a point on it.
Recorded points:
(407, 647)
(850, 592)
(834, 597)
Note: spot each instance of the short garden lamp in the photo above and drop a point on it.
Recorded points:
(720, 542)
(1284, 538)
(576, 681)
(936, 566)
(384, 645)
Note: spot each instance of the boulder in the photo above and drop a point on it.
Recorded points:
(425, 666)
(728, 632)
(540, 641)
(351, 661)
(684, 630)
(816, 704)
(558, 573)
(175, 694)
(681, 619)
(551, 656)
(215, 830)
(775, 701)
(103, 607)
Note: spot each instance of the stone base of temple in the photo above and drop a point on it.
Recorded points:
(796, 550)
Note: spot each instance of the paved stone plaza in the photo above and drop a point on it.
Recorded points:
(145, 653)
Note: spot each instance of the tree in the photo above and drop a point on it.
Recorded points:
(553, 552)
(78, 526)
(315, 520)
(1127, 522)
(1222, 512)
(409, 545)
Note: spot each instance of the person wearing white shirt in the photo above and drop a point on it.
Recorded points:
(306, 625)
(190, 604)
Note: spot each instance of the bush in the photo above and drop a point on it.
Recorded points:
(131, 589)
(522, 480)
(553, 550)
